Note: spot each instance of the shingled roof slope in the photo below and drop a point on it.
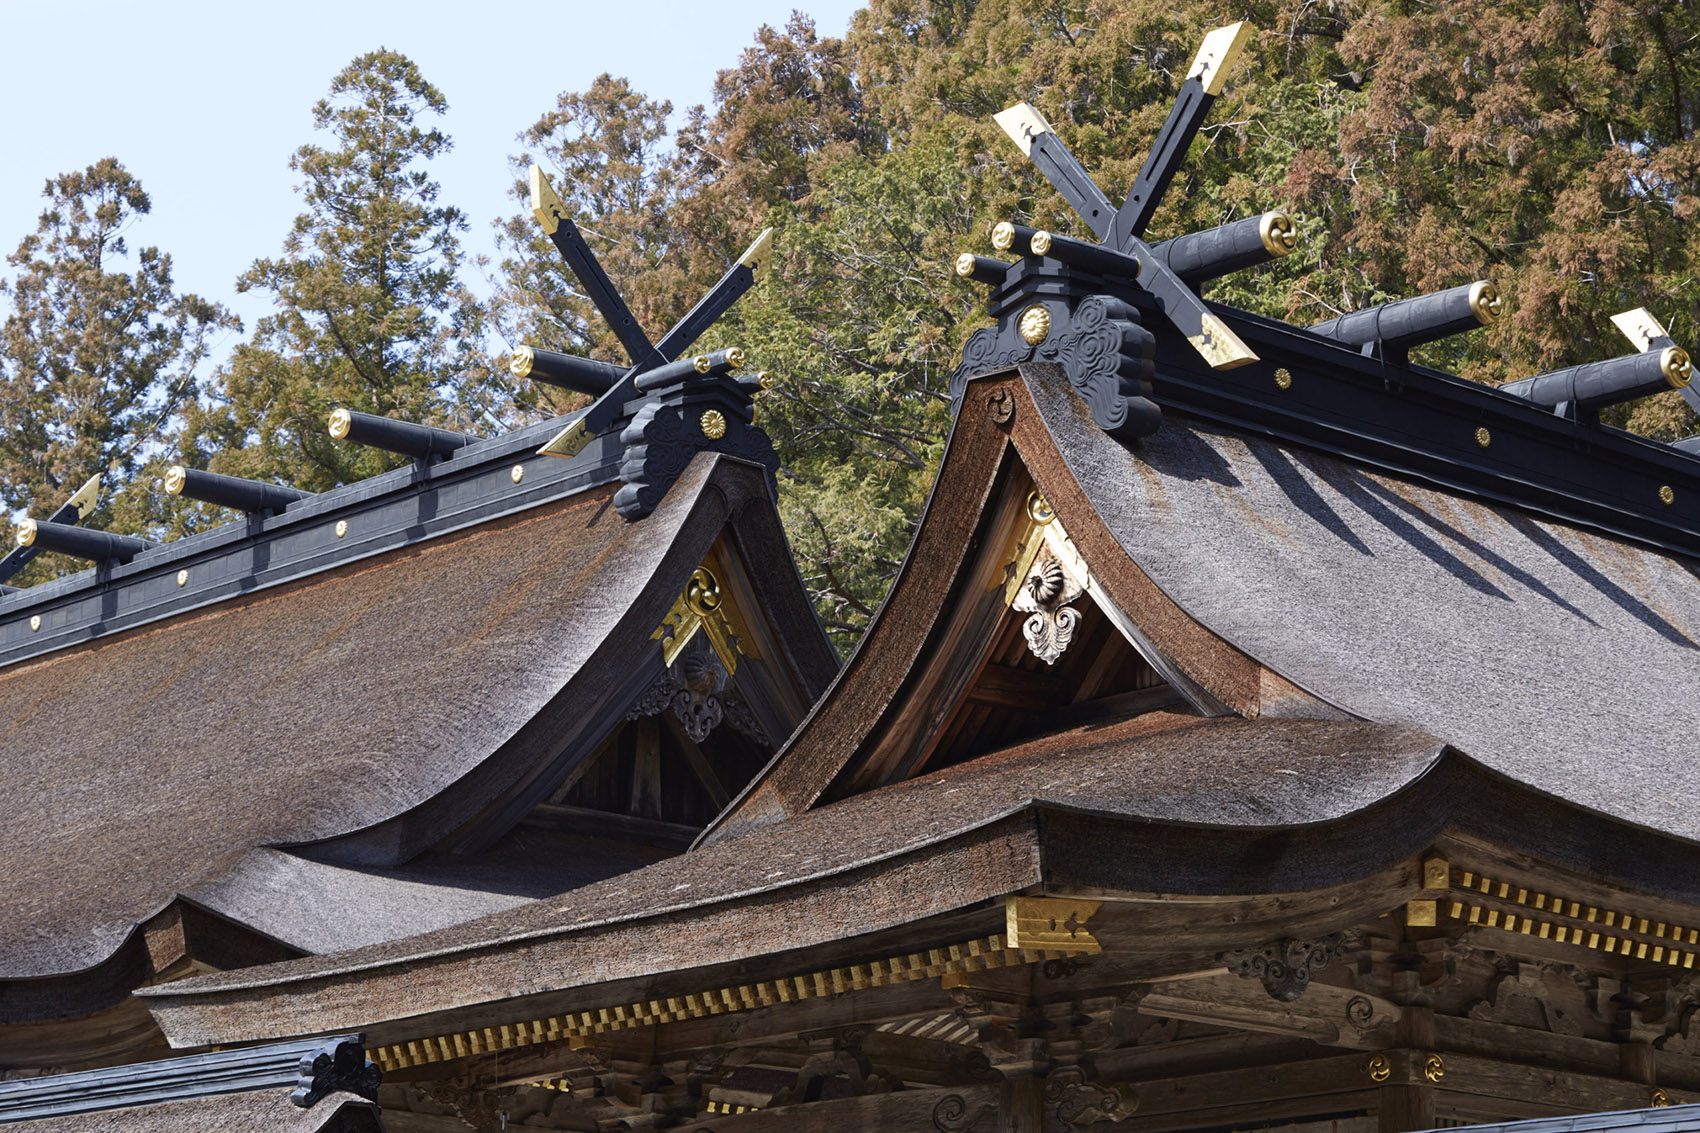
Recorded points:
(156, 760)
(1562, 658)
(1161, 767)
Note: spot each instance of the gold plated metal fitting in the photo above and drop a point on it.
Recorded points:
(702, 592)
(701, 364)
(965, 264)
(548, 208)
(1023, 122)
(341, 528)
(713, 424)
(1217, 54)
(517, 473)
(1483, 437)
(766, 379)
(1422, 914)
(1485, 302)
(759, 254)
(1003, 235)
(1040, 243)
(735, 357)
(341, 421)
(1437, 872)
(1039, 509)
(1035, 324)
(1278, 233)
(1379, 1068)
(1667, 495)
(1674, 364)
(175, 479)
(182, 578)
(1434, 1068)
(1284, 378)
(519, 362)
(26, 532)
(1657, 1098)
(35, 623)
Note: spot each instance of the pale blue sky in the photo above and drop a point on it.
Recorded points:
(206, 101)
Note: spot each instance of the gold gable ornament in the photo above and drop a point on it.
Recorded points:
(705, 606)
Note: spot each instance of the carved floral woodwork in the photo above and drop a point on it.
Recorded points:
(1044, 576)
(699, 692)
(1285, 966)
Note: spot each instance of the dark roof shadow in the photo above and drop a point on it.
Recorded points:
(1592, 575)
(1475, 547)
(1191, 458)
(1355, 488)
(1278, 463)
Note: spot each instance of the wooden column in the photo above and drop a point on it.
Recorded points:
(1410, 1106)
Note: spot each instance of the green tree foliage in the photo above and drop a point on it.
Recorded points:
(1547, 146)
(98, 354)
(370, 312)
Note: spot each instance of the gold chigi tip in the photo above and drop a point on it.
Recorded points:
(175, 478)
(341, 421)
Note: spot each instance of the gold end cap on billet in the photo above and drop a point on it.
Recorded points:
(1023, 122)
(765, 380)
(965, 264)
(568, 442)
(1003, 235)
(759, 254)
(1485, 302)
(702, 364)
(1278, 233)
(26, 532)
(1217, 54)
(1676, 367)
(1040, 243)
(1640, 327)
(85, 497)
(735, 357)
(546, 206)
(176, 478)
(341, 421)
(521, 361)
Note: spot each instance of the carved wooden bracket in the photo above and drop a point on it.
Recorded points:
(699, 691)
(1285, 967)
(1079, 1102)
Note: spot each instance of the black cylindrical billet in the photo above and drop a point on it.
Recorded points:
(404, 437)
(97, 546)
(1201, 256)
(1419, 319)
(1094, 258)
(697, 365)
(568, 371)
(1594, 385)
(230, 491)
(981, 269)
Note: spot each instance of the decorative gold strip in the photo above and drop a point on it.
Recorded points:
(974, 956)
(1554, 905)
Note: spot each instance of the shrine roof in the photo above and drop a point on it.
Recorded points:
(154, 761)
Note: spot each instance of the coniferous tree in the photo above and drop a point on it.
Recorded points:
(98, 354)
(370, 313)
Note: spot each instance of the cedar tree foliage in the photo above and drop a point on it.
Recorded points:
(98, 353)
(370, 311)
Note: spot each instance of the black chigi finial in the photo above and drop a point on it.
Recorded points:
(667, 406)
